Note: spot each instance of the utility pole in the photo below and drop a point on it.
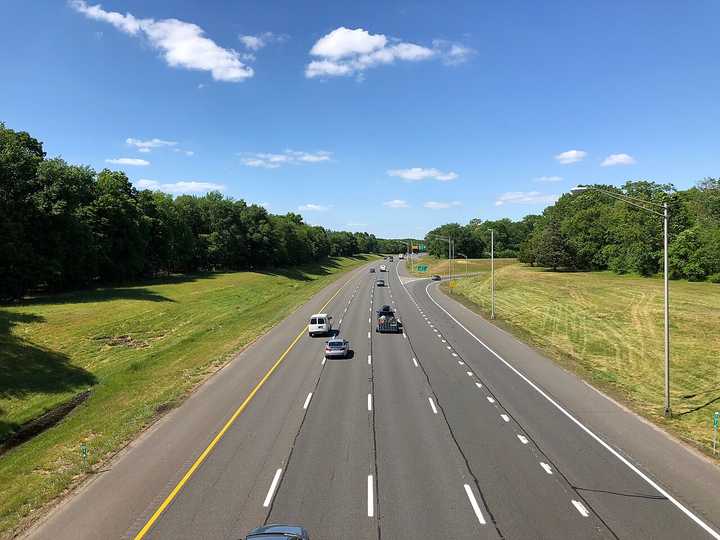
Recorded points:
(492, 272)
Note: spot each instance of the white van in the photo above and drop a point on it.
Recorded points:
(320, 323)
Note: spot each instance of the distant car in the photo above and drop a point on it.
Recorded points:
(380, 283)
(383, 268)
(278, 532)
(337, 347)
(390, 258)
(320, 323)
(436, 277)
(372, 270)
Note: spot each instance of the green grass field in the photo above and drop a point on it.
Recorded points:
(609, 329)
(440, 266)
(140, 348)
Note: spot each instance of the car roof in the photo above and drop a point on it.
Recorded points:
(319, 315)
(279, 531)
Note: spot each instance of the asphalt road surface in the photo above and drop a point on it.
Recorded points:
(451, 429)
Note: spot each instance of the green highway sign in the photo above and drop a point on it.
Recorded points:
(422, 267)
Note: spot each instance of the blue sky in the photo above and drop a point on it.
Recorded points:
(379, 116)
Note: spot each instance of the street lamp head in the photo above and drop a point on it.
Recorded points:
(578, 189)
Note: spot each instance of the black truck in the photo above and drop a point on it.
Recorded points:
(387, 322)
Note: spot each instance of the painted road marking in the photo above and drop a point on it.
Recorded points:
(307, 401)
(273, 487)
(443, 341)
(369, 320)
(368, 335)
(478, 385)
(704, 526)
(371, 497)
(171, 496)
(469, 373)
(369, 359)
(580, 507)
(546, 467)
(523, 439)
(461, 362)
(474, 504)
(454, 354)
(448, 347)
(369, 402)
(505, 417)
(432, 405)
(491, 400)
(415, 361)
(340, 321)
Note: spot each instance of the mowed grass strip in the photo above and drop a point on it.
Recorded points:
(140, 349)
(609, 329)
(460, 266)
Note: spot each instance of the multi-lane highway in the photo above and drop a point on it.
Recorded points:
(451, 429)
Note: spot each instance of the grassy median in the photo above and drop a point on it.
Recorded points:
(609, 329)
(140, 349)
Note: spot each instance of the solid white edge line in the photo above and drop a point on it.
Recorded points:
(371, 497)
(307, 400)
(580, 507)
(273, 487)
(547, 468)
(432, 405)
(474, 504)
(369, 402)
(323, 361)
(586, 429)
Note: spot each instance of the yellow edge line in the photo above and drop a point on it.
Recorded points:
(227, 426)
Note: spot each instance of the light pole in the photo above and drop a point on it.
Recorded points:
(466, 261)
(492, 273)
(641, 203)
(451, 247)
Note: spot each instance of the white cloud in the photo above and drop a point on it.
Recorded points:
(346, 51)
(310, 207)
(128, 161)
(618, 159)
(571, 156)
(180, 150)
(146, 146)
(183, 44)
(451, 52)
(418, 173)
(255, 43)
(273, 161)
(434, 205)
(548, 179)
(396, 203)
(525, 197)
(176, 188)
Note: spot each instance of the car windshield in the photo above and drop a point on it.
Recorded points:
(336, 344)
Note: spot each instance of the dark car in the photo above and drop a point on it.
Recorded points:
(278, 532)
(436, 278)
(380, 283)
(372, 270)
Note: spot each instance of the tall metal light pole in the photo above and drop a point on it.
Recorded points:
(466, 262)
(492, 272)
(643, 204)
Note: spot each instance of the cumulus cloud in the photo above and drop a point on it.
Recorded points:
(571, 156)
(548, 179)
(183, 44)
(396, 203)
(618, 159)
(257, 42)
(434, 205)
(348, 51)
(147, 146)
(128, 161)
(273, 161)
(525, 197)
(310, 207)
(415, 174)
(176, 188)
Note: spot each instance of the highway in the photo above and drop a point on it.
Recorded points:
(451, 429)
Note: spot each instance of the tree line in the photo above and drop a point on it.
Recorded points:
(66, 226)
(592, 231)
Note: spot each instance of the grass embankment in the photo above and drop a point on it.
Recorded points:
(441, 266)
(140, 348)
(609, 329)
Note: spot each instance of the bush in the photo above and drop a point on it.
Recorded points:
(715, 278)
